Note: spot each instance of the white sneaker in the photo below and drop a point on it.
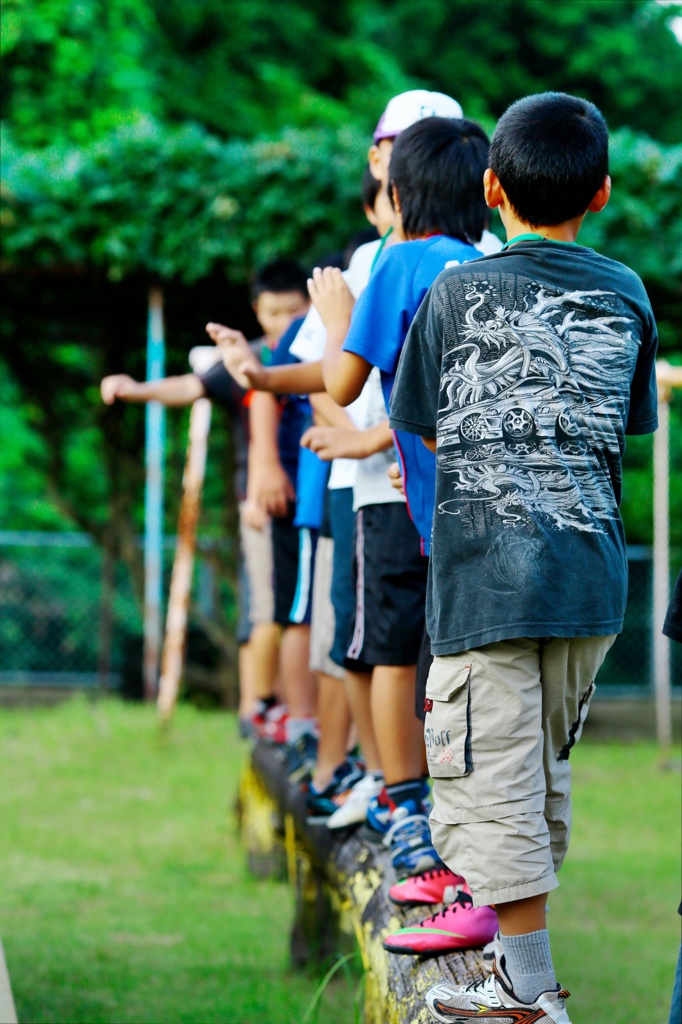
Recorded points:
(353, 810)
(493, 1000)
(493, 951)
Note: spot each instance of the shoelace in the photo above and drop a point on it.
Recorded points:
(461, 901)
(436, 873)
(412, 826)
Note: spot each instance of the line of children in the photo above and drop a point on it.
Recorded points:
(279, 296)
(522, 372)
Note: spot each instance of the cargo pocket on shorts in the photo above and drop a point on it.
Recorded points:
(447, 726)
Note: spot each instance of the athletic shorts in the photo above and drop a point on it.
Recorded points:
(322, 622)
(390, 588)
(285, 564)
(257, 549)
(342, 525)
(293, 553)
(501, 722)
(300, 613)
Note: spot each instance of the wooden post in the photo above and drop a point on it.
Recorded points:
(181, 580)
(153, 500)
(667, 377)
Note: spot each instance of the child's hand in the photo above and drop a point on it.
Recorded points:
(238, 359)
(253, 515)
(332, 297)
(270, 488)
(118, 385)
(395, 476)
(334, 443)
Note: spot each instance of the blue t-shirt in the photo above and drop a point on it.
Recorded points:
(381, 319)
(528, 367)
(296, 411)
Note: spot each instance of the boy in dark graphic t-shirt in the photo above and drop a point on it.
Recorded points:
(524, 371)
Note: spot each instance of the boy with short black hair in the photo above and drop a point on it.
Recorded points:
(437, 165)
(524, 371)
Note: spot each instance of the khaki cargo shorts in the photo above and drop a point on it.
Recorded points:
(322, 623)
(500, 724)
(257, 551)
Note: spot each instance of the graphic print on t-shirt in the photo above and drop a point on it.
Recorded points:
(515, 431)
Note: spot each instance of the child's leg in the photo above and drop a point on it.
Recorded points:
(568, 667)
(333, 709)
(265, 633)
(497, 748)
(264, 644)
(358, 692)
(399, 733)
(334, 719)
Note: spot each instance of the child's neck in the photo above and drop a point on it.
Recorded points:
(565, 232)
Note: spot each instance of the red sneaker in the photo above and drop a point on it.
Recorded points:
(436, 886)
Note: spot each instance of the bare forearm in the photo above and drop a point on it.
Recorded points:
(292, 379)
(378, 438)
(344, 373)
(170, 391)
(263, 423)
(430, 443)
(328, 413)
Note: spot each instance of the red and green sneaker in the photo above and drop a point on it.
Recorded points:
(459, 926)
(436, 886)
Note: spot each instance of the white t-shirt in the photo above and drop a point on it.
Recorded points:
(308, 346)
(488, 244)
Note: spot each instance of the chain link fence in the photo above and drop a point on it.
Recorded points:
(67, 619)
(63, 623)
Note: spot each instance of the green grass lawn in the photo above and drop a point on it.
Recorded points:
(124, 896)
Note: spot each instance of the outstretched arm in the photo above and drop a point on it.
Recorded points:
(240, 362)
(170, 391)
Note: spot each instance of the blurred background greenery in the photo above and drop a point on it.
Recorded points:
(186, 143)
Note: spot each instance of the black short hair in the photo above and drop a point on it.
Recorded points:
(551, 154)
(279, 276)
(370, 188)
(437, 167)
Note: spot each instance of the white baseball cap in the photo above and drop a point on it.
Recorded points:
(409, 107)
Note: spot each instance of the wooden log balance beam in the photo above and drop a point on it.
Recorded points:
(342, 884)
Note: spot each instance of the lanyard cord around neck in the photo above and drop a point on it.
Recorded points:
(533, 236)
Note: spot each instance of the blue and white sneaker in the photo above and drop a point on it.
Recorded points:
(409, 840)
(379, 813)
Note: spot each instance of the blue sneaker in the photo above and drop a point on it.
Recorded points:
(301, 758)
(409, 840)
(320, 805)
(375, 825)
(379, 812)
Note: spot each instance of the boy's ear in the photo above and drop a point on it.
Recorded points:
(375, 162)
(254, 306)
(492, 190)
(601, 197)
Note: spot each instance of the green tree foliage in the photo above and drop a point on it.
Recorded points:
(73, 69)
(178, 202)
(191, 141)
